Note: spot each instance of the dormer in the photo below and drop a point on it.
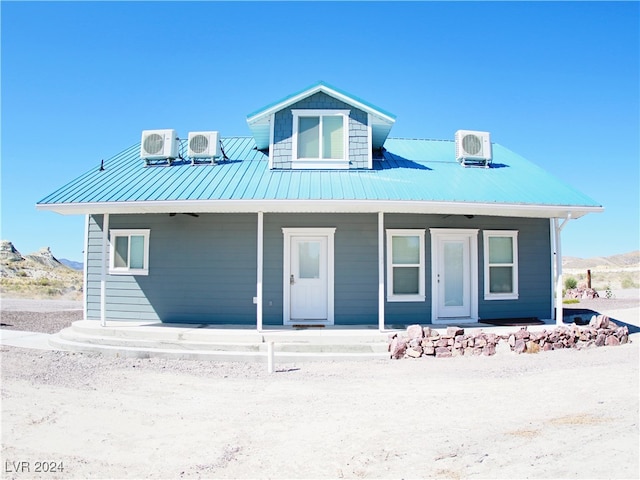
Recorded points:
(320, 127)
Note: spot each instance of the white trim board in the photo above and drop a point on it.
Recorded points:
(321, 206)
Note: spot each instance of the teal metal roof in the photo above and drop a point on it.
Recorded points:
(408, 175)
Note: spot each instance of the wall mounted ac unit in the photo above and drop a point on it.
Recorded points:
(159, 145)
(473, 147)
(203, 145)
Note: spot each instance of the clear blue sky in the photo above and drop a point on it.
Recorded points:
(557, 83)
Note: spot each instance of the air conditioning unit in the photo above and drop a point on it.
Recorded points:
(159, 145)
(473, 148)
(204, 145)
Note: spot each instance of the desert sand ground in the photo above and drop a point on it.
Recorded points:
(561, 414)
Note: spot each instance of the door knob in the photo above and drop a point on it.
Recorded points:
(292, 279)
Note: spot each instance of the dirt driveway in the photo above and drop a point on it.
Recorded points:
(560, 414)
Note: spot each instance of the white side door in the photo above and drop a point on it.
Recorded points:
(454, 275)
(308, 283)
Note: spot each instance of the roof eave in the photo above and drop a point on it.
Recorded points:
(323, 206)
(319, 87)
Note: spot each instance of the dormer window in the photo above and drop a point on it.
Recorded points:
(320, 138)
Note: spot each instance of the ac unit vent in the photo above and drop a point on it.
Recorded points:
(159, 145)
(473, 148)
(203, 145)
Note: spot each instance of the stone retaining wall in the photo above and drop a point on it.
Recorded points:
(418, 341)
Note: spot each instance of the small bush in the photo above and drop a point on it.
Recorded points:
(627, 282)
(570, 283)
(570, 300)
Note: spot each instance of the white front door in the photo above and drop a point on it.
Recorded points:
(308, 283)
(455, 275)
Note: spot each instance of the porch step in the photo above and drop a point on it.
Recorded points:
(220, 343)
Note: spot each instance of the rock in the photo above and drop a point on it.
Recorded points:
(427, 343)
(523, 333)
(453, 331)
(512, 340)
(480, 342)
(601, 321)
(415, 331)
(489, 350)
(414, 352)
(612, 341)
(45, 257)
(443, 342)
(8, 252)
(520, 346)
(601, 339)
(532, 347)
(426, 332)
(398, 347)
(443, 352)
(429, 350)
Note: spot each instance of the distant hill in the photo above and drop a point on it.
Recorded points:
(615, 272)
(37, 275)
(72, 264)
(621, 261)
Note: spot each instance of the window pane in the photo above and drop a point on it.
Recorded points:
(137, 251)
(500, 250)
(453, 274)
(501, 279)
(309, 259)
(332, 138)
(309, 137)
(406, 280)
(121, 257)
(406, 250)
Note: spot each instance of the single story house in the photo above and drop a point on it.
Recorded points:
(320, 218)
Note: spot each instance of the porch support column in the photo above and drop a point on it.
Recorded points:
(381, 271)
(557, 228)
(85, 276)
(103, 275)
(259, 270)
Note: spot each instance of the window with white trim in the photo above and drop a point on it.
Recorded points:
(129, 252)
(500, 264)
(405, 265)
(320, 138)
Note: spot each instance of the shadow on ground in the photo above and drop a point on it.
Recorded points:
(582, 316)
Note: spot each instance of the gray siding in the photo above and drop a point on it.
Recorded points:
(358, 134)
(355, 263)
(534, 267)
(203, 270)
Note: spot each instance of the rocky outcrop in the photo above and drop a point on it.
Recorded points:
(9, 253)
(46, 258)
(417, 341)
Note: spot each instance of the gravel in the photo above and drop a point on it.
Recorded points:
(505, 416)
